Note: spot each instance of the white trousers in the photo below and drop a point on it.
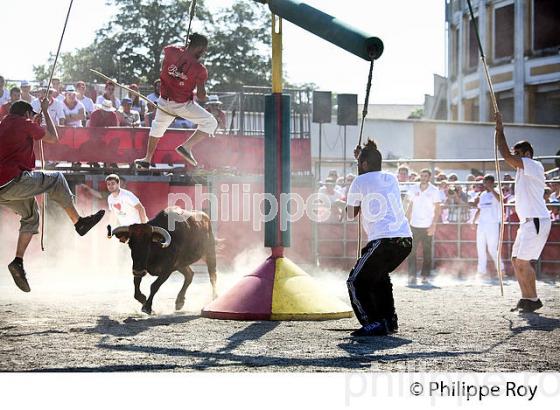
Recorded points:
(487, 235)
(189, 110)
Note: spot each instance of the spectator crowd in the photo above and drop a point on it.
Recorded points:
(80, 105)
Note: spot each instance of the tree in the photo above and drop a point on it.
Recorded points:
(239, 50)
(139, 31)
(129, 47)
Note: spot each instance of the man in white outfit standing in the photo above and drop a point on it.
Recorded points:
(534, 218)
(487, 218)
(123, 204)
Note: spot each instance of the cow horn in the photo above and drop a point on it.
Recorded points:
(119, 230)
(166, 236)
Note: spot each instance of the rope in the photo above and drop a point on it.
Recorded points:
(364, 115)
(191, 17)
(496, 161)
(42, 150)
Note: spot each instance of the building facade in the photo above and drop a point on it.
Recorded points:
(521, 42)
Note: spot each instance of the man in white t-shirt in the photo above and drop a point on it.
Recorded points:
(534, 218)
(123, 204)
(56, 110)
(488, 218)
(423, 214)
(376, 195)
(85, 100)
(26, 92)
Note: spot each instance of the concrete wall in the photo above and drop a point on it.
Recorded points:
(409, 139)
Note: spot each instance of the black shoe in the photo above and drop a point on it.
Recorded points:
(86, 223)
(527, 305)
(373, 329)
(141, 164)
(18, 273)
(187, 155)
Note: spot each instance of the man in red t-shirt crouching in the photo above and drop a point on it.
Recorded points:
(181, 73)
(19, 183)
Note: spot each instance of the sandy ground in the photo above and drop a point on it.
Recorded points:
(89, 321)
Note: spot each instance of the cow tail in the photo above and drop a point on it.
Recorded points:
(211, 252)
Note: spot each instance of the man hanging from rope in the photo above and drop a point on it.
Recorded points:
(534, 218)
(376, 195)
(19, 184)
(181, 73)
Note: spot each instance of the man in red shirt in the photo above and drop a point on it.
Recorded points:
(15, 95)
(181, 73)
(105, 116)
(19, 184)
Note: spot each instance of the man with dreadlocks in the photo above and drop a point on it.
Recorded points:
(181, 73)
(375, 194)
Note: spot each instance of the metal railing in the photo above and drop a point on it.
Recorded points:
(245, 111)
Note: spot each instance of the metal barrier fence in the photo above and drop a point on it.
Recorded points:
(245, 111)
(335, 247)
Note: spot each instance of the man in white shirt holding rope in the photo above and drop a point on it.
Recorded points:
(534, 218)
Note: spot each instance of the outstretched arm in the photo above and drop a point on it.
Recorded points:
(51, 134)
(512, 160)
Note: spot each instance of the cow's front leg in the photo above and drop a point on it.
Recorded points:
(213, 280)
(138, 295)
(180, 300)
(147, 308)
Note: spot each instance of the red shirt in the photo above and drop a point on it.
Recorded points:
(5, 110)
(178, 85)
(16, 146)
(101, 118)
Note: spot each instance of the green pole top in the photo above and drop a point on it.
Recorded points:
(328, 28)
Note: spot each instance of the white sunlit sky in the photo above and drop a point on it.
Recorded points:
(413, 33)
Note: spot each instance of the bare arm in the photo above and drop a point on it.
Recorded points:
(93, 192)
(51, 134)
(512, 160)
(408, 212)
(437, 215)
(476, 215)
(76, 117)
(142, 211)
(352, 211)
(201, 91)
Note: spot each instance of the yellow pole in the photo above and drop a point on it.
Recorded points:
(276, 54)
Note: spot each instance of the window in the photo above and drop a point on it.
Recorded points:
(545, 24)
(503, 32)
(454, 52)
(473, 52)
(471, 109)
(547, 107)
(505, 105)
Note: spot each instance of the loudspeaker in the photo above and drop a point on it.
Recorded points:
(347, 113)
(322, 106)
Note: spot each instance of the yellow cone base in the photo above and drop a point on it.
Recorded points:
(297, 296)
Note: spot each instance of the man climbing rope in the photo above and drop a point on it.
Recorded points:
(181, 73)
(375, 194)
(19, 184)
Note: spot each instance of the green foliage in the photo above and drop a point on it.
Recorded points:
(136, 35)
(239, 50)
(129, 47)
(416, 114)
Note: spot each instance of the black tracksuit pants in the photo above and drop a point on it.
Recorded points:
(369, 284)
